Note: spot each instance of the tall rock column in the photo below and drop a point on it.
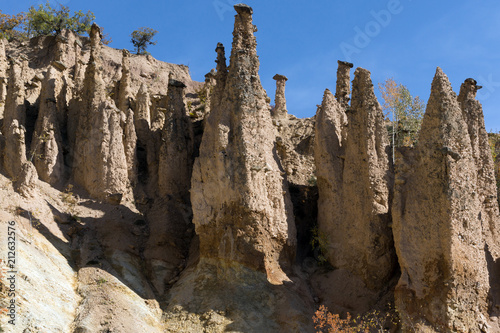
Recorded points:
(329, 155)
(47, 141)
(15, 160)
(4, 66)
(354, 182)
(100, 164)
(124, 91)
(241, 207)
(124, 103)
(343, 89)
(220, 76)
(486, 183)
(280, 110)
(437, 223)
(175, 158)
(14, 103)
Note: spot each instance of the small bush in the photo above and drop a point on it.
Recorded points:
(142, 38)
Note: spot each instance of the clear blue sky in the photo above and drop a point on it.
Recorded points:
(403, 39)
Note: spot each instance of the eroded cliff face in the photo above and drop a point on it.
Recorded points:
(151, 216)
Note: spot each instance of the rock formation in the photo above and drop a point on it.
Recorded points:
(220, 76)
(99, 158)
(208, 88)
(46, 145)
(4, 66)
(329, 156)
(176, 151)
(437, 221)
(354, 183)
(14, 104)
(239, 200)
(280, 110)
(124, 101)
(343, 89)
(486, 182)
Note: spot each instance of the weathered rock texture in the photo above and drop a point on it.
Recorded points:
(329, 156)
(176, 152)
(15, 101)
(124, 101)
(438, 228)
(100, 164)
(343, 89)
(15, 159)
(486, 183)
(354, 172)
(280, 110)
(4, 66)
(46, 145)
(220, 76)
(238, 195)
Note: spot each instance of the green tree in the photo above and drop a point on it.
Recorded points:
(404, 111)
(142, 38)
(46, 20)
(9, 24)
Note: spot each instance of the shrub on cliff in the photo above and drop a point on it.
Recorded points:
(142, 38)
(46, 20)
(405, 110)
(9, 25)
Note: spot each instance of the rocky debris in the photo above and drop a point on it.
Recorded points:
(354, 179)
(176, 151)
(437, 221)
(343, 89)
(46, 145)
(280, 110)
(238, 195)
(100, 164)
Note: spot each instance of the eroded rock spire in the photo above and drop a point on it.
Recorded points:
(175, 158)
(343, 89)
(329, 155)
(100, 164)
(46, 144)
(280, 110)
(241, 207)
(4, 66)
(220, 76)
(437, 221)
(354, 181)
(125, 95)
(486, 182)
